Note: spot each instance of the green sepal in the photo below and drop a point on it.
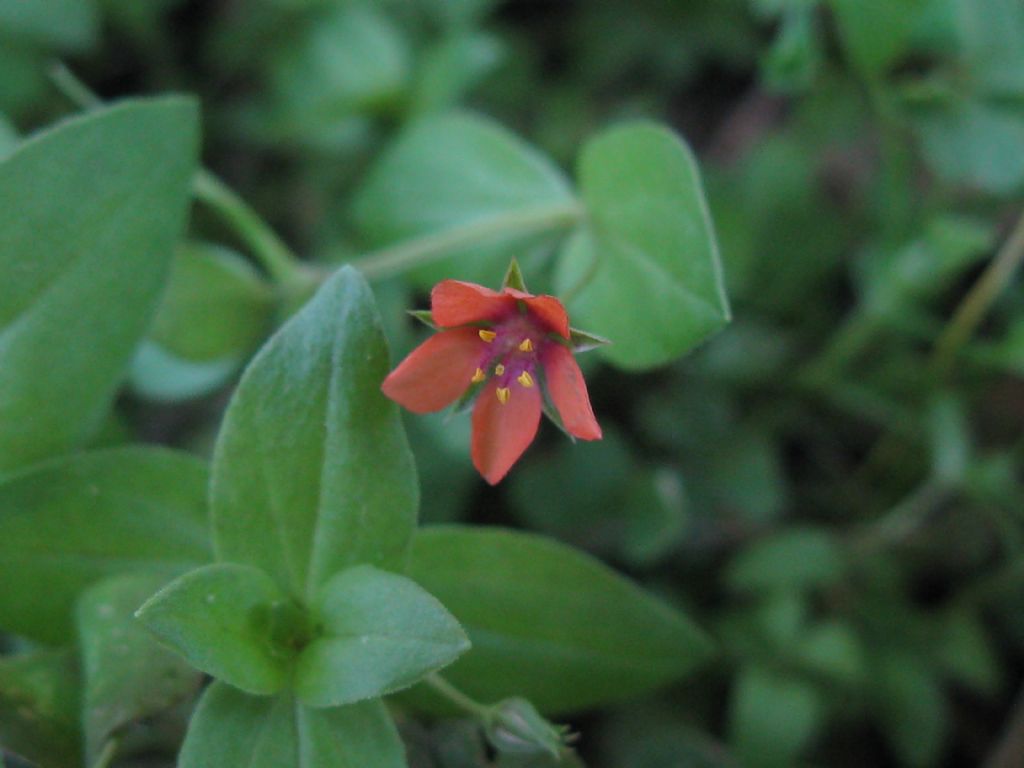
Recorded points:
(581, 341)
(465, 401)
(425, 316)
(514, 278)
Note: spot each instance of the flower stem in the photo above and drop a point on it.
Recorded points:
(422, 250)
(277, 259)
(978, 301)
(457, 697)
(105, 757)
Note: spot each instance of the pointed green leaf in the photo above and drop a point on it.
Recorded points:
(89, 213)
(73, 521)
(550, 623)
(312, 472)
(460, 174)
(221, 618)
(658, 289)
(378, 633)
(231, 729)
(127, 675)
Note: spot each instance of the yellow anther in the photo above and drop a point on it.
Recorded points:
(499, 370)
(526, 346)
(478, 376)
(488, 336)
(525, 379)
(504, 393)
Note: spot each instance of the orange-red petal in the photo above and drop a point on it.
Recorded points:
(454, 303)
(568, 392)
(501, 432)
(436, 372)
(548, 309)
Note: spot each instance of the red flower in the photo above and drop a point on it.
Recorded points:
(515, 342)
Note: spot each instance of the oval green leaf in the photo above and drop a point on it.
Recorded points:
(312, 472)
(220, 618)
(549, 623)
(127, 675)
(470, 192)
(216, 305)
(73, 521)
(89, 212)
(378, 633)
(648, 266)
(231, 729)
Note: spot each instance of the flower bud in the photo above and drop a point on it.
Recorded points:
(515, 727)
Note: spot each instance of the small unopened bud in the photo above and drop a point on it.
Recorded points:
(515, 727)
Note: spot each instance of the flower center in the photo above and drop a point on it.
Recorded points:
(510, 356)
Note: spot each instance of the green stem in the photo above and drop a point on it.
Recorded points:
(105, 757)
(978, 300)
(905, 519)
(457, 697)
(281, 264)
(423, 250)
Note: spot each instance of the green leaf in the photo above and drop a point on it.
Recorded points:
(377, 633)
(466, 181)
(233, 730)
(73, 521)
(799, 558)
(911, 708)
(221, 618)
(8, 137)
(63, 24)
(163, 377)
(876, 33)
(451, 67)
(657, 289)
(312, 471)
(39, 707)
(128, 676)
(773, 718)
(974, 142)
(215, 306)
(89, 212)
(351, 59)
(549, 623)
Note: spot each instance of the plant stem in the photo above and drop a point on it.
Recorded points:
(422, 250)
(106, 756)
(978, 301)
(277, 259)
(457, 697)
(903, 520)
(74, 89)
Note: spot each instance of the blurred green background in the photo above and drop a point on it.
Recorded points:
(832, 485)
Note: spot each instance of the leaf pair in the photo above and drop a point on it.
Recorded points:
(313, 494)
(643, 267)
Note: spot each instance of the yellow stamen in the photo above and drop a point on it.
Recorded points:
(526, 346)
(504, 393)
(488, 336)
(478, 376)
(499, 370)
(525, 379)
